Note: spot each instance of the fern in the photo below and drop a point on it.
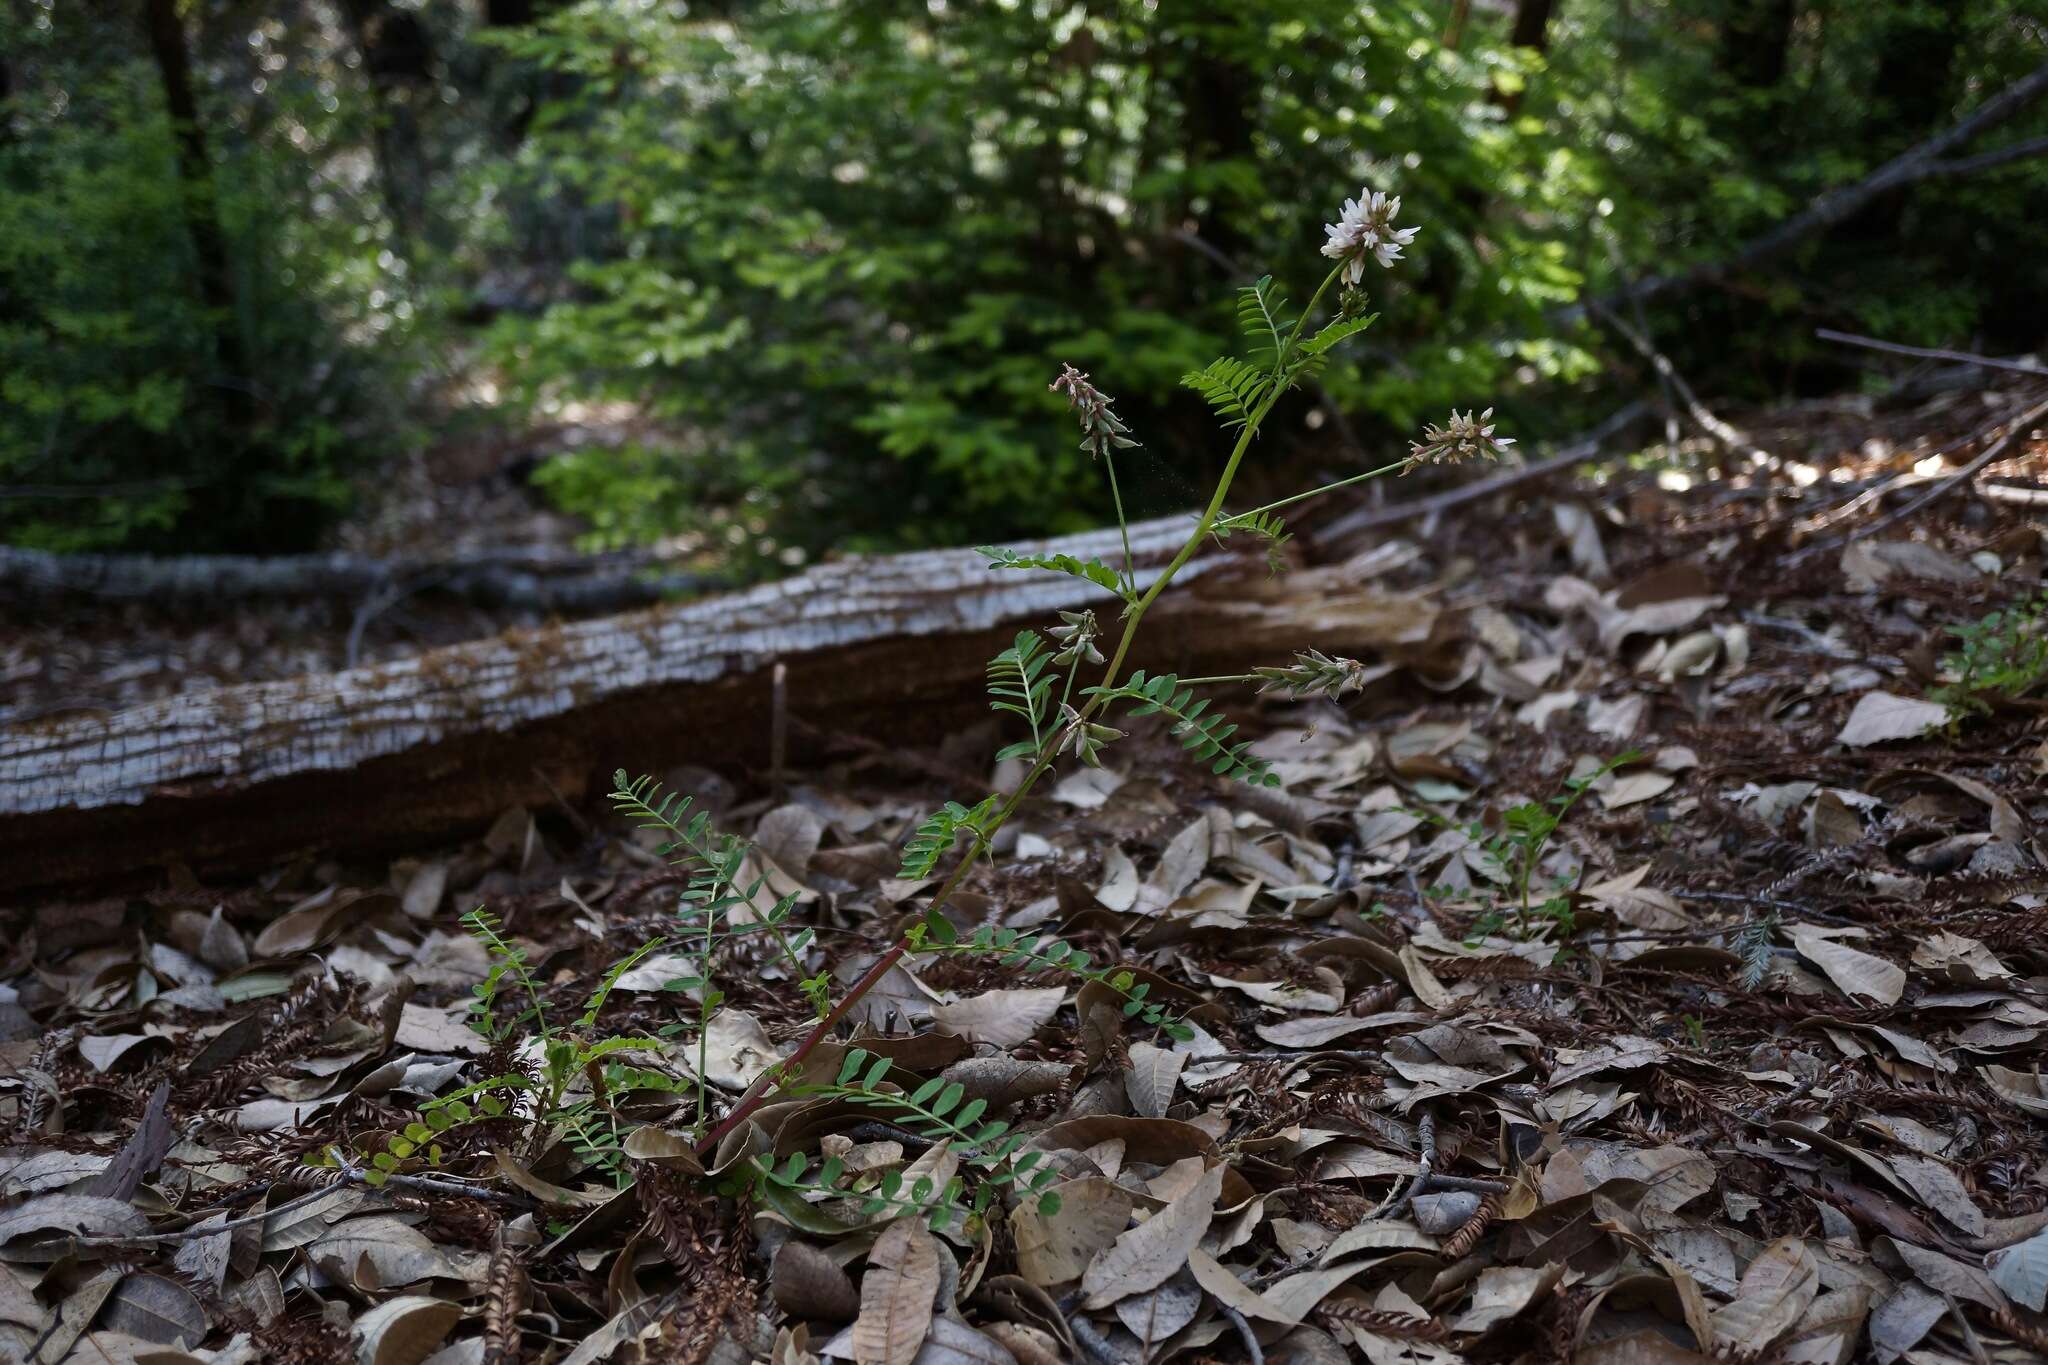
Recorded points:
(643, 800)
(1020, 683)
(1207, 737)
(1232, 387)
(924, 849)
(1094, 570)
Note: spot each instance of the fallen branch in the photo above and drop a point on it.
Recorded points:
(2031, 366)
(1933, 495)
(1922, 162)
(1727, 436)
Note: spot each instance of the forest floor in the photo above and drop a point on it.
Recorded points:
(1743, 1060)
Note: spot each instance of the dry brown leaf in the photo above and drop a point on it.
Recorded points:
(1232, 1292)
(1001, 1018)
(1776, 1290)
(1854, 972)
(1153, 1315)
(1055, 1248)
(1880, 716)
(1152, 1079)
(1148, 1254)
(809, 1284)
(896, 1295)
(403, 1331)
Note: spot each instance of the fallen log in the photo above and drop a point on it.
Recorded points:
(522, 579)
(403, 753)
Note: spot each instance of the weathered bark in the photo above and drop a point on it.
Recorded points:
(397, 754)
(538, 581)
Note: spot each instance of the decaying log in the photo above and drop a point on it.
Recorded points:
(386, 755)
(524, 579)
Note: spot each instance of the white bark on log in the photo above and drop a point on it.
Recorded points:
(530, 580)
(417, 749)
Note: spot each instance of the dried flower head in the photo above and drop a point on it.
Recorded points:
(1101, 430)
(1084, 738)
(1077, 638)
(1315, 674)
(1463, 437)
(1366, 228)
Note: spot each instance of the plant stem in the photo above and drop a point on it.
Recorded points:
(1393, 468)
(1123, 527)
(757, 1093)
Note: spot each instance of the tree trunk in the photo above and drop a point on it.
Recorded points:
(1531, 30)
(202, 214)
(890, 648)
(1756, 42)
(398, 62)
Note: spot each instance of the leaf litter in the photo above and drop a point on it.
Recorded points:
(1737, 1057)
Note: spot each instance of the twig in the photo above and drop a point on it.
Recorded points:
(1098, 1347)
(196, 1231)
(1703, 416)
(1932, 495)
(778, 726)
(1929, 352)
(1252, 1351)
(1425, 1167)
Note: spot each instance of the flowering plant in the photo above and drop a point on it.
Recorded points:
(1040, 683)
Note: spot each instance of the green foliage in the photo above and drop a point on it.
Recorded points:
(937, 833)
(1530, 909)
(1205, 736)
(573, 1090)
(990, 1153)
(2003, 656)
(1233, 389)
(1020, 685)
(135, 408)
(1094, 570)
(881, 242)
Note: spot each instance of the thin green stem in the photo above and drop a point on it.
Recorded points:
(1073, 671)
(1123, 526)
(1394, 468)
(1220, 679)
(704, 1023)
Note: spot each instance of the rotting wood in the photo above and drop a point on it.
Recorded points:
(535, 580)
(399, 753)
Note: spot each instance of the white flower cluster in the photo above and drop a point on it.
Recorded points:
(1464, 437)
(1366, 228)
